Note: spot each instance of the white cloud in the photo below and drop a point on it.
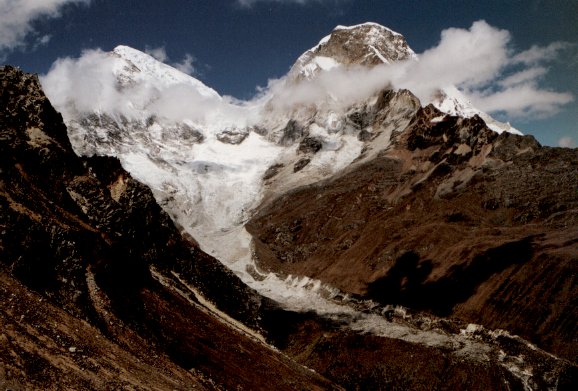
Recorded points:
(522, 100)
(18, 15)
(466, 58)
(159, 53)
(41, 41)
(84, 84)
(339, 87)
(538, 54)
(44, 39)
(186, 65)
(88, 83)
(524, 76)
(566, 142)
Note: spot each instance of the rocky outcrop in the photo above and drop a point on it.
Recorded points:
(233, 136)
(453, 219)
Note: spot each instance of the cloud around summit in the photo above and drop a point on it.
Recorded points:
(186, 65)
(566, 142)
(478, 60)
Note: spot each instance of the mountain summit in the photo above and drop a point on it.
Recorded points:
(134, 66)
(369, 45)
(365, 44)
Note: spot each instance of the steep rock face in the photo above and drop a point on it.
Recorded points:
(453, 219)
(366, 130)
(99, 288)
(350, 44)
(365, 44)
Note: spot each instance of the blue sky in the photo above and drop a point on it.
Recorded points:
(236, 45)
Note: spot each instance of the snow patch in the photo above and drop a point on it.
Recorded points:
(155, 72)
(371, 24)
(379, 55)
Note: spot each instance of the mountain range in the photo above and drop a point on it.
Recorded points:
(335, 231)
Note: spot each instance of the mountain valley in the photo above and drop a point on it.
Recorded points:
(155, 235)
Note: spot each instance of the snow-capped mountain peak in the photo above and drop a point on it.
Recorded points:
(363, 44)
(135, 66)
(371, 44)
(451, 101)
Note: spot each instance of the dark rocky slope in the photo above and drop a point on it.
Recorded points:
(452, 219)
(99, 289)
